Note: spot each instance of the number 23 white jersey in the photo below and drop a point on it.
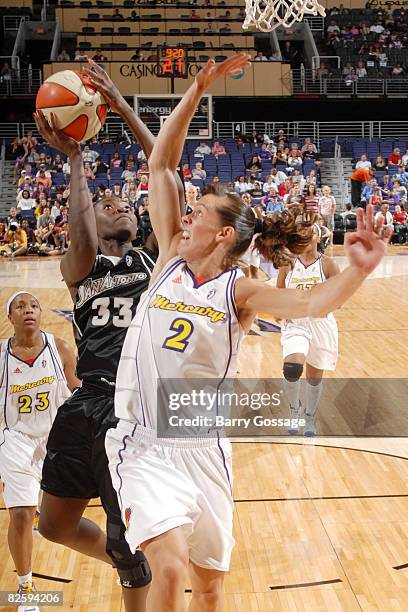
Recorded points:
(180, 330)
(31, 394)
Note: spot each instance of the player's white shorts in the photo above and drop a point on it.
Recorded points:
(317, 339)
(21, 461)
(172, 483)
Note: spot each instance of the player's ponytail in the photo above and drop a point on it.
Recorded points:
(285, 234)
(280, 235)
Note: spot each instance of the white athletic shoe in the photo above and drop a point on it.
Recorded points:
(310, 426)
(294, 413)
(26, 589)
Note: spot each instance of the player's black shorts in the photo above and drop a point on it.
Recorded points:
(76, 464)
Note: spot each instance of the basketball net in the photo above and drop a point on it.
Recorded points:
(266, 15)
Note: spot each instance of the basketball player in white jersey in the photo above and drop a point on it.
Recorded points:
(307, 340)
(175, 494)
(36, 370)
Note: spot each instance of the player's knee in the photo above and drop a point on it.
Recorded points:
(133, 569)
(171, 573)
(292, 371)
(21, 517)
(209, 598)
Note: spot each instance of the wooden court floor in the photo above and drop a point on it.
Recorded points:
(319, 524)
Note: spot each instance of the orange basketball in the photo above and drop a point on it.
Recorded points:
(79, 108)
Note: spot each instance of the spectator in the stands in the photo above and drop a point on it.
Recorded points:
(285, 187)
(260, 57)
(352, 77)
(271, 202)
(56, 209)
(289, 53)
(194, 14)
(202, 149)
(129, 171)
(229, 188)
(327, 207)
(278, 176)
(89, 155)
(199, 172)
(294, 159)
(361, 70)
(80, 56)
(143, 186)
(25, 225)
(397, 70)
(26, 203)
(144, 169)
(311, 178)
(401, 190)
(218, 149)
(404, 158)
(377, 27)
(311, 199)
(240, 185)
(66, 168)
(379, 163)
(116, 161)
(6, 72)
(89, 175)
(395, 157)
(42, 178)
(264, 153)
(347, 69)
(26, 184)
(63, 56)
(281, 156)
(333, 27)
(117, 16)
(99, 57)
(57, 164)
(368, 190)
(323, 70)
(44, 219)
(187, 174)
(255, 137)
(210, 27)
(376, 197)
(254, 166)
(29, 142)
(191, 198)
(99, 167)
(308, 145)
(385, 214)
(363, 162)
(400, 223)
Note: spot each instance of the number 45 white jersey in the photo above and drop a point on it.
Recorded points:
(180, 330)
(31, 394)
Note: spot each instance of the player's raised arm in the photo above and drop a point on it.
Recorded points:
(80, 257)
(164, 211)
(365, 249)
(104, 84)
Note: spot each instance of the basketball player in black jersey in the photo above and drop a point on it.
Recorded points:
(105, 288)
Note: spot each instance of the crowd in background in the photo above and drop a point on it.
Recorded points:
(278, 174)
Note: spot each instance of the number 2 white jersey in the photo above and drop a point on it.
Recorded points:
(31, 394)
(180, 330)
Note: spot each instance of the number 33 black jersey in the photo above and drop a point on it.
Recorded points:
(105, 305)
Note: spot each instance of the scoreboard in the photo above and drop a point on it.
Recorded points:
(172, 62)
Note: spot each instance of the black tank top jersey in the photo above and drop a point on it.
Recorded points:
(105, 306)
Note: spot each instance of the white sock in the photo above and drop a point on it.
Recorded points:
(27, 578)
(313, 393)
(292, 392)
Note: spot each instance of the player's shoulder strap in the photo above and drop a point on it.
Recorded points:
(49, 339)
(147, 258)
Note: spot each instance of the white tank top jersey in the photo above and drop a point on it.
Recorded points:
(30, 395)
(180, 330)
(303, 278)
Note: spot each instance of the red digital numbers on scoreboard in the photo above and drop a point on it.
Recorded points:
(172, 62)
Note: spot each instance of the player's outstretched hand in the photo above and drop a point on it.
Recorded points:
(212, 71)
(366, 247)
(55, 137)
(104, 84)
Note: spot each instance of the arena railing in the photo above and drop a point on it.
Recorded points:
(11, 23)
(305, 82)
(22, 83)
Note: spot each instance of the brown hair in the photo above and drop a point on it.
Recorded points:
(282, 235)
